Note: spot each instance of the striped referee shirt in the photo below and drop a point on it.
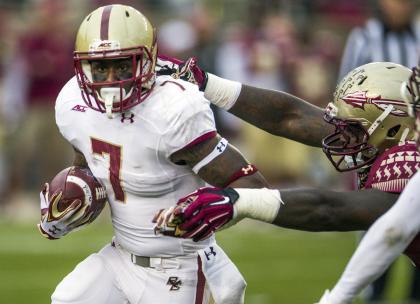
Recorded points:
(375, 42)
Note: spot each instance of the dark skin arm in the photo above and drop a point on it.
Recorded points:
(218, 171)
(282, 114)
(324, 210)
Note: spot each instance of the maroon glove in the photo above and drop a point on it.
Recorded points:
(185, 70)
(205, 211)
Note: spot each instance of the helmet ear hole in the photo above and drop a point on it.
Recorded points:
(393, 131)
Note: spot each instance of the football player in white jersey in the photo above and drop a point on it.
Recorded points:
(150, 140)
(391, 234)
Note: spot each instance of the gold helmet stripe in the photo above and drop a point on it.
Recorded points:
(106, 13)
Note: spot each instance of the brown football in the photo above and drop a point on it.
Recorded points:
(79, 183)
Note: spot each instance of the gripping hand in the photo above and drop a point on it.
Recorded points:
(185, 70)
(200, 214)
(167, 222)
(54, 223)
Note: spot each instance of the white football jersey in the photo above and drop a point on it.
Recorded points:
(130, 154)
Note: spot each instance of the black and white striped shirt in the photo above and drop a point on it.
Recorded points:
(374, 42)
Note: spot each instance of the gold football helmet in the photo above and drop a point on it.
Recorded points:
(369, 115)
(115, 32)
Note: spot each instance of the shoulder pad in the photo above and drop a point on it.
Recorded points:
(392, 170)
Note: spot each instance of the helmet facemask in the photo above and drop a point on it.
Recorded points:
(347, 148)
(118, 95)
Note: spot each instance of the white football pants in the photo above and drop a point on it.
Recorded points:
(110, 277)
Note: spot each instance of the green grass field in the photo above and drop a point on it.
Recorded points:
(280, 266)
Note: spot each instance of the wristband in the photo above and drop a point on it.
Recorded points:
(221, 92)
(244, 171)
(259, 204)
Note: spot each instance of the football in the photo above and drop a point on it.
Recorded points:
(79, 183)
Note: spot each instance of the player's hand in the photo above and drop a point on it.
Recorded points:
(54, 223)
(186, 70)
(205, 211)
(199, 214)
(167, 222)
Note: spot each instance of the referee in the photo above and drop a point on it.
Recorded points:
(393, 35)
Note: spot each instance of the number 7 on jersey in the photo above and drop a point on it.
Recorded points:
(114, 152)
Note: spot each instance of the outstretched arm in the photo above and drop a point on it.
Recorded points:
(300, 209)
(276, 112)
(314, 209)
(325, 210)
(281, 114)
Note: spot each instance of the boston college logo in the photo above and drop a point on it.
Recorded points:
(175, 283)
(79, 108)
(360, 99)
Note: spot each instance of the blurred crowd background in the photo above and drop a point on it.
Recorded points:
(291, 45)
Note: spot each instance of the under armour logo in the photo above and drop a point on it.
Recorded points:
(54, 229)
(220, 146)
(209, 254)
(247, 169)
(175, 283)
(130, 118)
(79, 108)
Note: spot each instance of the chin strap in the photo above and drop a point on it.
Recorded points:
(379, 120)
(404, 136)
(109, 101)
(108, 96)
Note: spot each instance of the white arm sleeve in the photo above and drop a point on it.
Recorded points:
(221, 92)
(388, 237)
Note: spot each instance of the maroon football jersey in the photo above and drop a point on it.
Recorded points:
(391, 172)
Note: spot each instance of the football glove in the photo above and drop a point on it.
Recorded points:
(167, 222)
(185, 70)
(54, 223)
(199, 214)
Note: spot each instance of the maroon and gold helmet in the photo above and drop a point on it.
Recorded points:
(115, 32)
(369, 115)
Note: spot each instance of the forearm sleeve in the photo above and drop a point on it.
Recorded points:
(384, 241)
